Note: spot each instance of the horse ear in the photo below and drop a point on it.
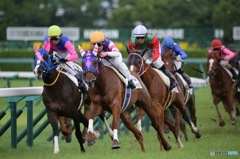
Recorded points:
(143, 52)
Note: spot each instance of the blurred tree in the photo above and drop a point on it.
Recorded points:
(25, 13)
(226, 15)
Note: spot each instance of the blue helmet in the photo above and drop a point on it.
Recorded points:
(168, 42)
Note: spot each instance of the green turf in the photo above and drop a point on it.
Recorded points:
(213, 138)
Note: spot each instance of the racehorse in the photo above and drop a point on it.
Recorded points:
(222, 88)
(60, 96)
(189, 96)
(158, 90)
(108, 92)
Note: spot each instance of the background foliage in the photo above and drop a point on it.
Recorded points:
(121, 14)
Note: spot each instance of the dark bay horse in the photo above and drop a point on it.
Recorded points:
(222, 87)
(159, 92)
(108, 92)
(60, 96)
(189, 96)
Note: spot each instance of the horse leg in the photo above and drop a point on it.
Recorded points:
(90, 112)
(140, 114)
(180, 105)
(115, 127)
(172, 127)
(156, 115)
(220, 119)
(66, 128)
(179, 124)
(228, 105)
(78, 133)
(126, 119)
(103, 118)
(53, 120)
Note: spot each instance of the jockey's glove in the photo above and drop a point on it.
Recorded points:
(149, 61)
(62, 60)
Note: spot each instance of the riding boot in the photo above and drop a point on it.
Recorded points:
(173, 82)
(131, 84)
(81, 85)
(186, 78)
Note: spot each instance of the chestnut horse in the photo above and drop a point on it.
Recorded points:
(60, 96)
(222, 87)
(161, 96)
(108, 92)
(189, 96)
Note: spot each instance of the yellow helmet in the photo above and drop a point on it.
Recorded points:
(97, 36)
(54, 30)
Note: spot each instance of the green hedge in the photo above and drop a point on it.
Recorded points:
(192, 53)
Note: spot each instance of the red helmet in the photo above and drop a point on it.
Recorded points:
(216, 43)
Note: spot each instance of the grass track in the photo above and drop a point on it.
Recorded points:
(213, 138)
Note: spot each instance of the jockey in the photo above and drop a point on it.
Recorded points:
(142, 39)
(225, 54)
(111, 55)
(168, 43)
(60, 45)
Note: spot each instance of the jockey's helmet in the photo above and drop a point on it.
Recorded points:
(216, 43)
(139, 31)
(97, 37)
(54, 30)
(168, 42)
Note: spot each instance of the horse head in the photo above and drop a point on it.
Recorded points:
(213, 65)
(42, 63)
(136, 63)
(167, 57)
(90, 64)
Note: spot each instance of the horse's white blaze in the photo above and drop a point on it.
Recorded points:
(139, 125)
(210, 64)
(90, 125)
(115, 134)
(36, 68)
(56, 145)
(131, 68)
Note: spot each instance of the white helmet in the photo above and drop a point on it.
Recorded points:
(140, 31)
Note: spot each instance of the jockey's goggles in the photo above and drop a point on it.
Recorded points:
(216, 49)
(98, 44)
(142, 37)
(54, 38)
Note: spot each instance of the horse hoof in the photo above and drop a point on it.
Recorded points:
(198, 135)
(82, 150)
(222, 124)
(115, 145)
(68, 139)
(186, 137)
(91, 142)
(168, 147)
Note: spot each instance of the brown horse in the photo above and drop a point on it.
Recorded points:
(61, 100)
(108, 92)
(159, 92)
(222, 87)
(189, 96)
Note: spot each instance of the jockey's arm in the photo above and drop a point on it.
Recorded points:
(229, 54)
(71, 50)
(155, 48)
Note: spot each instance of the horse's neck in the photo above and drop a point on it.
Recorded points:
(53, 78)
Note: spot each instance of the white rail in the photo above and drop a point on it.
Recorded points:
(20, 91)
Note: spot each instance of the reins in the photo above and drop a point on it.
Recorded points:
(50, 84)
(142, 69)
